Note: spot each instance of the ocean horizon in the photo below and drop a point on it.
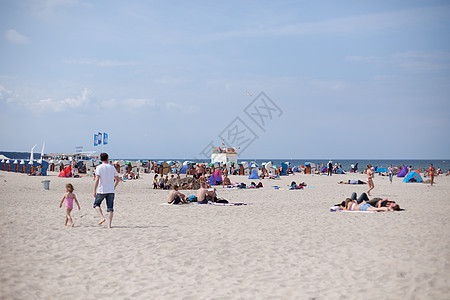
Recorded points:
(443, 164)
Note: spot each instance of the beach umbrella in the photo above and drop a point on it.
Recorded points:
(253, 165)
(42, 151)
(3, 160)
(22, 162)
(211, 165)
(31, 155)
(7, 161)
(15, 162)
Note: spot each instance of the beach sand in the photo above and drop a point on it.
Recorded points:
(282, 245)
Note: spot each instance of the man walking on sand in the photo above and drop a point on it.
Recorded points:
(106, 180)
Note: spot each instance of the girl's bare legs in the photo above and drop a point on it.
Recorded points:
(371, 186)
(68, 217)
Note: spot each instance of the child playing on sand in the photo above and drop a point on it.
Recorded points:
(69, 196)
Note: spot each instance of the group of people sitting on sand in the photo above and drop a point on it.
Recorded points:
(204, 196)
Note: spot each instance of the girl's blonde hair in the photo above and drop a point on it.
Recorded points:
(69, 187)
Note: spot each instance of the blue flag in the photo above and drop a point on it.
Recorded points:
(95, 139)
(105, 138)
(99, 138)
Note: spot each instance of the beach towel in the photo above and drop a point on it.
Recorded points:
(336, 209)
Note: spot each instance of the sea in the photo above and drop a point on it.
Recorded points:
(417, 164)
(421, 164)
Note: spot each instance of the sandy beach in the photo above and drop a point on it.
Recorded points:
(283, 245)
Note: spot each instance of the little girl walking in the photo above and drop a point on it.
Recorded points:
(69, 196)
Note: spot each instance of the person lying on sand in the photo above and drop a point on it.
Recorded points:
(364, 206)
(352, 181)
(175, 197)
(375, 202)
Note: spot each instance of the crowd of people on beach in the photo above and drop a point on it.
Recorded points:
(106, 179)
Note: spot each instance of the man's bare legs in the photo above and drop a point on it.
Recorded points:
(110, 217)
(100, 213)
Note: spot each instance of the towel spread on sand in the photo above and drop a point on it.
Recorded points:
(210, 203)
(336, 209)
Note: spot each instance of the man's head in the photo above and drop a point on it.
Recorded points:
(203, 185)
(104, 157)
(175, 187)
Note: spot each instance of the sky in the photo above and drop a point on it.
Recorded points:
(279, 79)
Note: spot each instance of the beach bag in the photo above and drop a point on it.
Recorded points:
(242, 185)
(193, 198)
(221, 201)
(260, 185)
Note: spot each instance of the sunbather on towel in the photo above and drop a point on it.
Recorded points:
(377, 202)
(175, 197)
(352, 181)
(364, 206)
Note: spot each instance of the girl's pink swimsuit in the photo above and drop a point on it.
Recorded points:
(69, 202)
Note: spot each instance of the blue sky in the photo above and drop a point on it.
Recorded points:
(351, 79)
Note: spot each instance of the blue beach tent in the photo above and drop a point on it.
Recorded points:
(413, 176)
(216, 178)
(402, 172)
(284, 168)
(183, 170)
(254, 175)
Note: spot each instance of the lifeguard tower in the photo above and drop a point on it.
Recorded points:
(224, 155)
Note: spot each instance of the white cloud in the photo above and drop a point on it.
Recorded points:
(45, 9)
(63, 104)
(169, 80)
(412, 61)
(6, 95)
(360, 24)
(135, 104)
(327, 84)
(178, 107)
(101, 63)
(15, 37)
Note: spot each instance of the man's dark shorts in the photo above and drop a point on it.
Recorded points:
(109, 201)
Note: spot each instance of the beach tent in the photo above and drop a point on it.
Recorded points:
(67, 172)
(253, 165)
(380, 170)
(216, 178)
(254, 175)
(413, 176)
(183, 170)
(284, 168)
(340, 171)
(403, 172)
